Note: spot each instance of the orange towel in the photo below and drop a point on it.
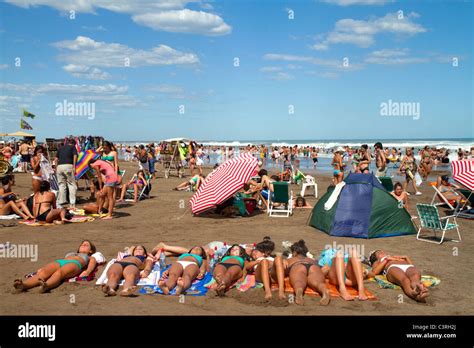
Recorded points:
(332, 290)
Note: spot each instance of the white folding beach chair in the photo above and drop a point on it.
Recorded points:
(439, 196)
(307, 182)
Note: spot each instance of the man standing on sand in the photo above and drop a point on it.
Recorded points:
(65, 162)
(25, 155)
(380, 160)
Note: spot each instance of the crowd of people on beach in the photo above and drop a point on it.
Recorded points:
(105, 181)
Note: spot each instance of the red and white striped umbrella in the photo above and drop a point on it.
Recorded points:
(463, 172)
(223, 182)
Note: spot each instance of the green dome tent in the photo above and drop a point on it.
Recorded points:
(363, 209)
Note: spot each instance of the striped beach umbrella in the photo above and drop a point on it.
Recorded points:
(223, 182)
(463, 172)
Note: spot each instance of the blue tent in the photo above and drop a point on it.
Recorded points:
(364, 209)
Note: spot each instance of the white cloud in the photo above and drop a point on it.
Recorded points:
(328, 63)
(393, 57)
(184, 21)
(362, 33)
(356, 2)
(3, 66)
(164, 15)
(84, 50)
(85, 72)
(281, 76)
(267, 69)
(97, 28)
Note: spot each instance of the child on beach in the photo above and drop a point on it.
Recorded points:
(54, 273)
(338, 173)
(401, 271)
(400, 195)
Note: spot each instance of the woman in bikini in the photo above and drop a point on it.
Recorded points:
(44, 206)
(138, 181)
(107, 178)
(265, 269)
(364, 161)
(108, 153)
(35, 165)
(426, 162)
(10, 202)
(132, 267)
(193, 183)
(232, 267)
(343, 269)
(399, 270)
(54, 273)
(189, 266)
(409, 166)
(303, 272)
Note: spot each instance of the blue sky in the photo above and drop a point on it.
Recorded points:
(182, 53)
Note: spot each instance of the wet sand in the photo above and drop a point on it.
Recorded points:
(163, 218)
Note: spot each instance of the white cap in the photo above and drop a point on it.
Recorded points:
(340, 149)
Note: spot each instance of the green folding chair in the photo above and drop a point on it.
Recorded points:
(283, 198)
(430, 219)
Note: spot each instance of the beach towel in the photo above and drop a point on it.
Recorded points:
(152, 278)
(427, 281)
(334, 195)
(334, 292)
(197, 288)
(9, 217)
(74, 219)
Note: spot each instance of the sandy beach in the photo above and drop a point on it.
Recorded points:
(163, 218)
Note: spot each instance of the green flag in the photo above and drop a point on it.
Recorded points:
(28, 114)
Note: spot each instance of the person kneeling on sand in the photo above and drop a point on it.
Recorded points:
(231, 268)
(304, 271)
(399, 270)
(343, 270)
(189, 266)
(54, 273)
(129, 269)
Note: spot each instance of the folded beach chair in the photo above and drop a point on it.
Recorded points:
(430, 220)
(283, 197)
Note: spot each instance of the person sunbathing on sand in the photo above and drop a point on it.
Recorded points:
(264, 268)
(189, 266)
(304, 271)
(230, 268)
(194, 182)
(44, 206)
(399, 270)
(54, 273)
(343, 269)
(448, 189)
(138, 181)
(129, 269)
(9, 202)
